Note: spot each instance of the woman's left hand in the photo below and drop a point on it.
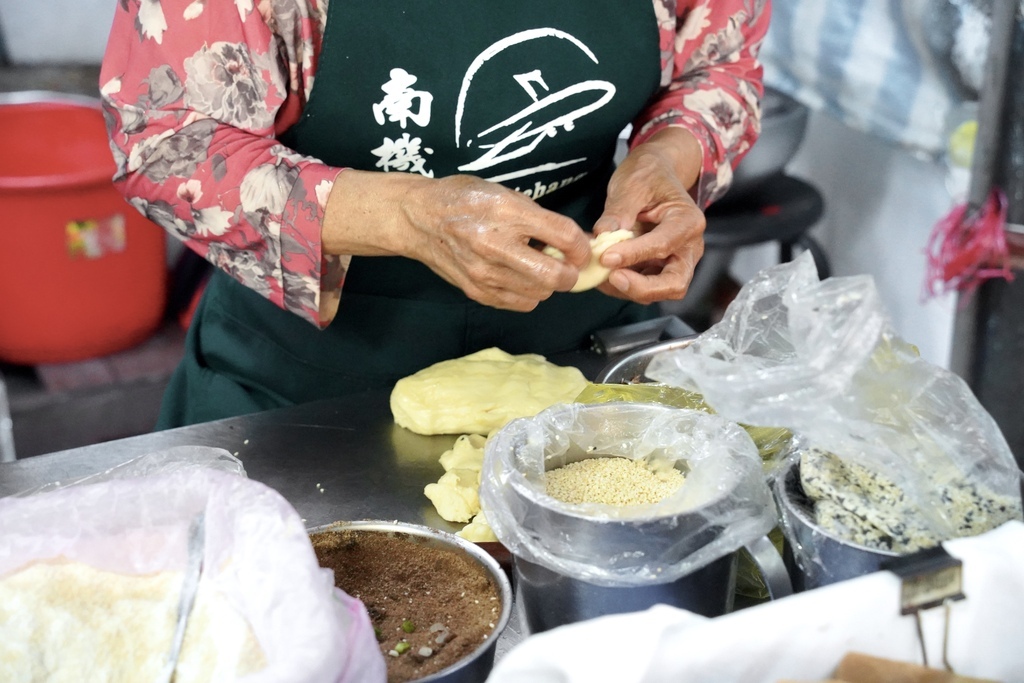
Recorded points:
(648, 194)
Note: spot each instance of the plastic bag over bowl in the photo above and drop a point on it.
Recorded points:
(722, 505)
(122, 529)
(898, 443)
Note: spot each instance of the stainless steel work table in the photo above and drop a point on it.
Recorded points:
(336, 459)
(333, 459)
(341, 458)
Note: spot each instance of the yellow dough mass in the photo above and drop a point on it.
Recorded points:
(479, 393)
(593, 274)
(455, 495)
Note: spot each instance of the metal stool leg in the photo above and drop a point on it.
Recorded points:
(807, 243)
(6, 426)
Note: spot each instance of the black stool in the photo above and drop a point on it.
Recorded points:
(781, 209)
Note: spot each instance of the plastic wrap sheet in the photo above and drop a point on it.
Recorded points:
(773, 443)
(821, 359)
(723, 504)
(134, 520)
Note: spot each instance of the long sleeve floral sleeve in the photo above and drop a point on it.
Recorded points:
(712, 82)
(194, 92)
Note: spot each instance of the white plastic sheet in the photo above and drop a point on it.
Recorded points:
(134, 520)
(801, 637)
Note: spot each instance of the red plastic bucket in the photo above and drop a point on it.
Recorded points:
(82, 273)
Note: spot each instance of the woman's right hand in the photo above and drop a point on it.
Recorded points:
(477, 235)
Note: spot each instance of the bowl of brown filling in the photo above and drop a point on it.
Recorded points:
(437, 602)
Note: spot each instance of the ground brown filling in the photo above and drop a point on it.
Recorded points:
(429, 606)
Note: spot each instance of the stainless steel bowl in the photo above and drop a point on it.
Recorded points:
(631, 368)
(815, 556)
(477, 665)
(640, 557)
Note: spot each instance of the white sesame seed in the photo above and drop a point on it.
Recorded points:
(612, 481)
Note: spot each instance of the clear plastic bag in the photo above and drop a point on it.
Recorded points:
(134, 520)
(773, 443)
(821, 359)
(722, 505)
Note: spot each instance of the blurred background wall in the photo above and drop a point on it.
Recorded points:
(887, 81)
(55, 31)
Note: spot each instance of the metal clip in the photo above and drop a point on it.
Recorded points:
(928, 579)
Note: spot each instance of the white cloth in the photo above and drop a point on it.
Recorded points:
(865, 63)
(803, 636)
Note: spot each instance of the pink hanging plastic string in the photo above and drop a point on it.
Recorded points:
(966, 248)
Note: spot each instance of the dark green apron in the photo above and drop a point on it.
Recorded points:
(529, 94)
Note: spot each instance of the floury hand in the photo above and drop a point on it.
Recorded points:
(474, 234)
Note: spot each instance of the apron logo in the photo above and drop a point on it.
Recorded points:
(515, 136)
(406, 152)
(521, 133)
(398, 100)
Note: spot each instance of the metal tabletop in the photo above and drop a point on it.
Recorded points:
(332, 460)
(335, 459)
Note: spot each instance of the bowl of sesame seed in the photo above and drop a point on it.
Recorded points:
(616, 506)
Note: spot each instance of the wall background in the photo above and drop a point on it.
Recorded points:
(881, 202)
(56, 31)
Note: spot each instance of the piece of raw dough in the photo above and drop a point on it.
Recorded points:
(478, 531)
(466, 454)
(456, 495)
(479, 393)
(593, 274)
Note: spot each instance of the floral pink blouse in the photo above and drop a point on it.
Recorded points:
(195, 92)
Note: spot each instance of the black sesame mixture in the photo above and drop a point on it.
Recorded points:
(869, 509)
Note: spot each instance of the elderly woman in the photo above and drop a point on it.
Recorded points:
(376, 181)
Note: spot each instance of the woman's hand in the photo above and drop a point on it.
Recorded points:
(649, 194)
(475, 234)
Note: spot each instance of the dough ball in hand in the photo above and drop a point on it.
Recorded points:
(593, 274)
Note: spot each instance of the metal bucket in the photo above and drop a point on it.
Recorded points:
(815, 557)
(631, 368)
(550, 598)
(477, 665)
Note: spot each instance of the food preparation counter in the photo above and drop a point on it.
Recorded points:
(333, 459)
(336, 459)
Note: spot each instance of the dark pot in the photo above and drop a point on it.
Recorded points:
(783, 123)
